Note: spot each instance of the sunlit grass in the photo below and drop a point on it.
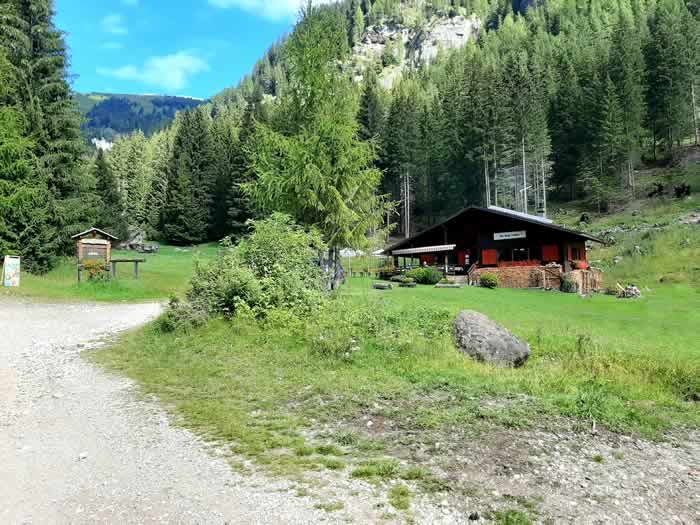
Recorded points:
(165, 273)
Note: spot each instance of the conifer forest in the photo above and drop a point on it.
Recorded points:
(552, 101)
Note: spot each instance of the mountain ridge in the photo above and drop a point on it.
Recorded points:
(106, 116)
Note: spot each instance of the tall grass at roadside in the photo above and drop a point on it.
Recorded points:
(266, 386)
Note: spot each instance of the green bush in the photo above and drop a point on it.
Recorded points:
(275, 266)
(180, 316)
(220, 287)
(390, 55)
(425, 275)
(96, 269)
(489, 280)
(568, 285)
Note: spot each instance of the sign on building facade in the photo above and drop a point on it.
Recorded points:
(10, 271)
(505, 236)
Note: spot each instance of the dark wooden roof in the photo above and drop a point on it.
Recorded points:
(502, 212)
(101, 232)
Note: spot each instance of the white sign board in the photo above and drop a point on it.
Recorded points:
(10, 271)
(504, 236)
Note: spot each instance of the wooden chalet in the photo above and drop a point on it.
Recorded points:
(524, 250)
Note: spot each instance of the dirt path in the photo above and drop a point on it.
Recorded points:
(77, 446)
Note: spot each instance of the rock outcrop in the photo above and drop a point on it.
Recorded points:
(418, 46)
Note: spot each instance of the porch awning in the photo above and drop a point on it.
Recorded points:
(425, 249)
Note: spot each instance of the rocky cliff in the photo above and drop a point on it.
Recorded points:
(412, 46)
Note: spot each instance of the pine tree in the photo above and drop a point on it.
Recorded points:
(37, 51)
(670, 76)
(188, 210)
(566, 121)
(25, 227)
(159, 151)
(110, 215)
(129, 164)
(224, 141)
(371, 113)
(357, 26)
(628, 72)
(240, 207)
(402, 141)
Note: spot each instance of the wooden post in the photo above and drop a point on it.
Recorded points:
(136, 269)
(567, 264)
(80, 273)
(114, 269)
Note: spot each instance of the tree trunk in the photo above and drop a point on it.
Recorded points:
(695, 114)
(333, 268)
(524, 178)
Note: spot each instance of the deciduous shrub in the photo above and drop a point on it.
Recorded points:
(96, 270)
(276, 266)
(180, 316)
(425, 275)
(489, 280)
(568, 285)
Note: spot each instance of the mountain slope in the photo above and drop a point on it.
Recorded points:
(108, 115)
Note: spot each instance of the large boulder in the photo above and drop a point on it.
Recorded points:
(485, 340)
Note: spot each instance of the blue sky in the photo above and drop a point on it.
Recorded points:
(175, 47)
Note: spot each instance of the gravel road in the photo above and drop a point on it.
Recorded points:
(78, 446)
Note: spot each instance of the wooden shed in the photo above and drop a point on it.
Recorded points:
(94, 245)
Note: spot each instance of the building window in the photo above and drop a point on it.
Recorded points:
(521, 254)
(576, 254)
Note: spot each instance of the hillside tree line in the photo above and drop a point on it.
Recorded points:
(560, 99)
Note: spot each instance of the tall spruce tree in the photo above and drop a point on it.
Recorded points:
(188, 209)
(25, 227)
(628, 72)
(670, 77)
(38, 54)
(240, 209)
(371, 113)
(357, 24)
(110, 214)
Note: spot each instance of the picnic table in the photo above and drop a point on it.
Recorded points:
(136, 262)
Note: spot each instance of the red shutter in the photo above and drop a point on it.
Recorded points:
(489, 257)
(550, 252)
(462, 258)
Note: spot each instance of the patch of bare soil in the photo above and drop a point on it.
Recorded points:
(559, 475)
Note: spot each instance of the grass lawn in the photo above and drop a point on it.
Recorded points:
(271, 391)
(163, 274)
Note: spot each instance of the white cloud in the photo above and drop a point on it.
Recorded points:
(271, 9)
(114, 24)
(170, 72)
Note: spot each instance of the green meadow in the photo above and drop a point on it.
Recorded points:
(163, 274)
(281, 391)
